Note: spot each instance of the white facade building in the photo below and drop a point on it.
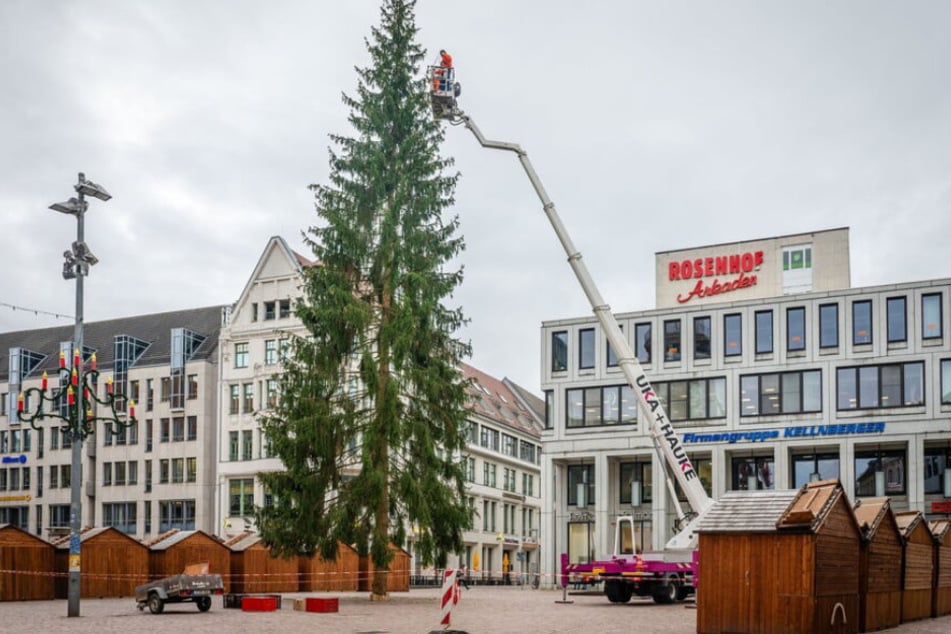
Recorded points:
(771, 383)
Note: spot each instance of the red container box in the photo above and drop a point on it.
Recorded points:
(259, 604)
(315, 604)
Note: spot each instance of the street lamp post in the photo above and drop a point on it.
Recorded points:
(75, 401)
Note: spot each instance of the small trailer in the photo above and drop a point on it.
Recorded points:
(197, 588)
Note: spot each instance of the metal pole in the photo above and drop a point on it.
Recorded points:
(75, 511)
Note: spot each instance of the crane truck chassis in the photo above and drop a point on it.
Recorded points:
(668, 575)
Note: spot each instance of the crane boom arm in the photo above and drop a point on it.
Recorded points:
(659, 425)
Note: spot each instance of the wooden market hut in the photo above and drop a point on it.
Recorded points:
(170, 552)
(779, 562)
(26, 566)
(917, 566)
(254, 569)
(880, 565)
(398, 578)
(339, 575)
(941, 531)
(112, 564)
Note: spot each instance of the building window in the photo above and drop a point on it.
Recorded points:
(254, 311)
(672, 340)
(234, 400)
(559, 351)
(879, 386)
(702, 332)
(635, 476)
(594, 406)
(192, 428)
(931, 318)
(285, 307)
(732, 335)
(696, 399)
(879, 473)
(489, 473)
(232, 446)
(247, 447)
(814, 466)
(59, 515)
(586, 348)
(764, 331)
(752, 473)
(163, 471)
(247, 404)
(937, 461)
(270, 352)
(862, 322)
(241, 497)
(271, 393)
(269, 310)
(611, 355)
(581, 489)
(176, 514)
(241, 354)
(795, 329)
(509, 446)
(470, 464)
(946, 381)
(490, 438)
(896, 315)
(178, 429)
(781, 393)
(829, 326)
(121, 516)
(549, 409)
(642, 342)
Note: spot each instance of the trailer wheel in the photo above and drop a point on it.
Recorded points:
(203, 603)
(156, 605)
(668, 590)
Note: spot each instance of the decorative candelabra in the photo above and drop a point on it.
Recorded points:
(77, 385)
(77, 389)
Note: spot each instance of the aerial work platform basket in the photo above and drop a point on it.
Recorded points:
(443, 91)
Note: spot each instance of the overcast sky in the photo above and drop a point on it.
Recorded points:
(653, 125)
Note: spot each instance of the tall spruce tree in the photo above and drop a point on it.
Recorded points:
(371, 418)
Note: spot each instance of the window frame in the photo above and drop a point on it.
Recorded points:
(587, 353)
(795, 328)
(901, 337)
(727, 319)
(559, 351)
(864, 304)
(924, 315)
(759, 335)
(702, 350)
(673, 329)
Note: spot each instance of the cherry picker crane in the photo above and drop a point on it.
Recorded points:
(668, 575)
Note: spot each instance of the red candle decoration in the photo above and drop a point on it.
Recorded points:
(85, 393)
(92, 362)
(131, 409)
(109, 385)
(76, 358)
(75, 377)
(44, 381)
(62, 360)
(20, 402)
(70, 395)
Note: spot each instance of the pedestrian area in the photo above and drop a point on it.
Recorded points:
(483, 609)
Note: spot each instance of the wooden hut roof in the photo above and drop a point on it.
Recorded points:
(804, 509)
(910, 521)
(243, 541)
(168, 539)
(940, 529)
(90, 532)
(746, 512)
(12, 528)
(869, 513)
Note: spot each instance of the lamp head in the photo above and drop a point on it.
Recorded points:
(89, 188)
(70, 207)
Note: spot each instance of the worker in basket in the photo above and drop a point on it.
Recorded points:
(443, 75)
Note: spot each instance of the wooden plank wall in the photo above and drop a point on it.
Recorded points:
(112, 565)
(916, 596)
(756, 583)
(32, 559)
(254, 570)
(880, 600)
(398, 578)
(196, 548)
(943, 580)
(340, 575)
